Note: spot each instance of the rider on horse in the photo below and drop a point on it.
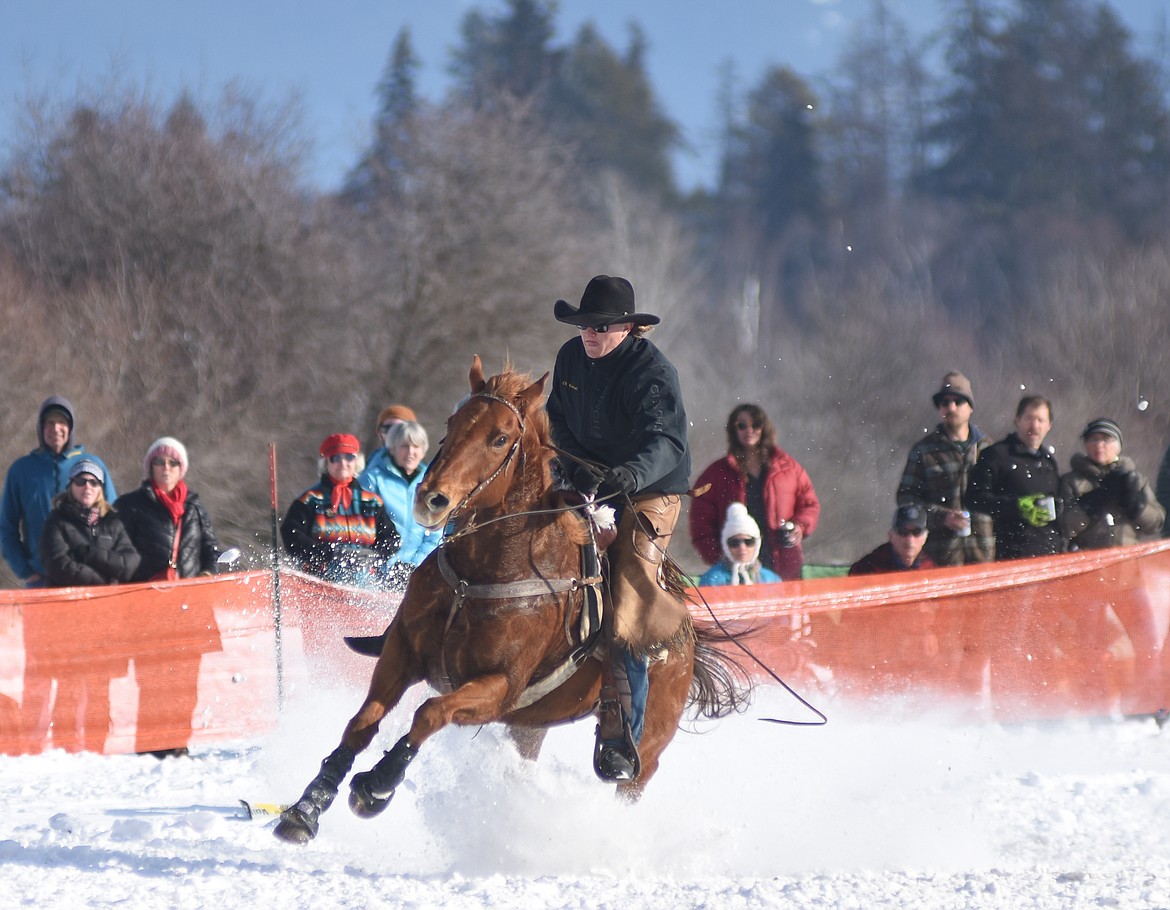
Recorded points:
(617, 416)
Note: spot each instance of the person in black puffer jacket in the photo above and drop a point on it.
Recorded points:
(83, 543)
(173, 532)
(162, 507)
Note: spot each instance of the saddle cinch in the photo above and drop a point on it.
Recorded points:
(585, 638)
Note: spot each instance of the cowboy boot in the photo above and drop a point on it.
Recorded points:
(615, 757)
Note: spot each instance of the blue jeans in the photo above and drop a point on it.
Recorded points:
(638, 674)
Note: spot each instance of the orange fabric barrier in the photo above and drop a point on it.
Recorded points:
(160, 665)
(1076, 634)
(153, 666)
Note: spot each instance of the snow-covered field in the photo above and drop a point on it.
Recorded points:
(863, 813)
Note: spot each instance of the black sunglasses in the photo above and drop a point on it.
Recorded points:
(741, 541)
(747, 424)
(599, 329)
(344, 456)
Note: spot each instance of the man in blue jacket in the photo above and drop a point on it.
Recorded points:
(32, 482)
(616, 409)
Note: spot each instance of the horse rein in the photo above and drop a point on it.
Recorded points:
(507, 458)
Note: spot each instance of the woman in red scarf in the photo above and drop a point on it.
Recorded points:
(337, 529)
(172, 532)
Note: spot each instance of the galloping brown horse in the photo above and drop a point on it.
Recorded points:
(486, 619)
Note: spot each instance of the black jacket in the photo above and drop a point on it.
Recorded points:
(1004, 472)
(624, 409)
(75, 553)
(152, 530)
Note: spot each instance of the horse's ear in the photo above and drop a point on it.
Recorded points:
(532, 395)
(475, 377)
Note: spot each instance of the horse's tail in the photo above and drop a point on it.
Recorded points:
(720, 685)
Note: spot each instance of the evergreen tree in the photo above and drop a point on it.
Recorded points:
(507, 54)
(604, 103)
(381, 168)
(1051, 112)
(771, 171)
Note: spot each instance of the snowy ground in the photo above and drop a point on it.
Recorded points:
(873, 813)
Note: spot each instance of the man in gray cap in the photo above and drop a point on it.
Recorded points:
(617, 413)
(935, 479)
(32, 482)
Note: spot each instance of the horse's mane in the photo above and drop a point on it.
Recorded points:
(508, 385)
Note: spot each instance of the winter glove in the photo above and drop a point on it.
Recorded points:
(582, 477)
(618, 481)
(1134, 496)
(1032, 512)
(1113, 484)
(1095, 503)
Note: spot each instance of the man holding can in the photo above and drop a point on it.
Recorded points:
(936, 475)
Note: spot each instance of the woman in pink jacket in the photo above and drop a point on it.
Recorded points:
(770, 482)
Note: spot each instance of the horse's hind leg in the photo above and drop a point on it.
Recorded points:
(298, 823)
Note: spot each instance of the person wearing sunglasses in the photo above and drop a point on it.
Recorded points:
(903, 550)
(337, 529)
(166, 520)
(740, 564)
(172, 530)
(773, 485)
(936, 474)
(616, 413)
(387, 418)
(83, 543)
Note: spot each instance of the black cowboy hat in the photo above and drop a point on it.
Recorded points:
(605, 300)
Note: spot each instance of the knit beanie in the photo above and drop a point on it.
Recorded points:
(1103, 425)
(740, 523)
(166, 447)
(954, 383)
(394, 412)
(85, 466)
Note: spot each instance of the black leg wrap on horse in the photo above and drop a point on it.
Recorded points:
(370, 791)
(298, 823)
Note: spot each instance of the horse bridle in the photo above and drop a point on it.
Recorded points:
(507, 458)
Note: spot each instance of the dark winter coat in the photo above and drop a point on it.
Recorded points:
(152, 530)
(622, 410)
(1005, 472)
(883, 559)
(935, 479)
(76, 553)
(1107, 506)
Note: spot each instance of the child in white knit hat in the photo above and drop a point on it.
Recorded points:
(741, 552)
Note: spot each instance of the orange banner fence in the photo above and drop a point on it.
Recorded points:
(154, 666)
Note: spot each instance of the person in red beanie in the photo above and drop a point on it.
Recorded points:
(336, 529)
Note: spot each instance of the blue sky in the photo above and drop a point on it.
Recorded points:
(331, 54)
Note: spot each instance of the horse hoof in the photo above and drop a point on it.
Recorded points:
(295, 826)
(362, 802)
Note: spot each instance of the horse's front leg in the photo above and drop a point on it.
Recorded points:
(479, 701)
(299, 822)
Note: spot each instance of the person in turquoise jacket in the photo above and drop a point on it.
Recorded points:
(740, 564)
(32, 482)
(394, 473)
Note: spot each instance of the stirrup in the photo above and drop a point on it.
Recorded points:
(616, 760)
